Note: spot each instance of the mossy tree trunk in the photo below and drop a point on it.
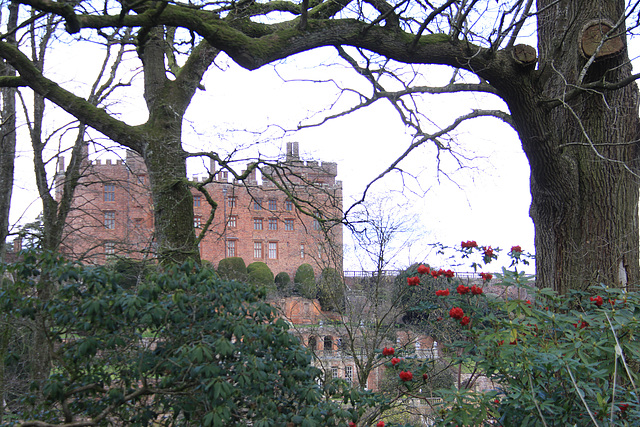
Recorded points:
(583, 183)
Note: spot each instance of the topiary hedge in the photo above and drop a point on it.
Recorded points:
(232, 268)
(260, 274)
(305, 281)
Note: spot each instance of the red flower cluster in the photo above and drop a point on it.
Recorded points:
(597, 300)
(405, 376)
(395, 361)
(380, 424)
(528, 302)
(441, 272)
(442, 293)
(388, 351)
(422, 269)
(425, 377)
(352, 424)
(581, 325)
(488, 251)
(465, 321)
(486, 276)
(413, 281)
(623, 407)
(515, 249)
(469, 244)
(462, 289)
(456, 313)
(476, 290)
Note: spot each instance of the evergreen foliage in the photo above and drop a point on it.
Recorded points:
(260, 274)
(331, 290)
(305, 281)
(232, 268)
(183, 348)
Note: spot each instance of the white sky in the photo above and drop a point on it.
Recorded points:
(488, 202)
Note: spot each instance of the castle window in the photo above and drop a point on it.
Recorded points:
(257, 223)
(232, 222)
(288, 205)
(328, 343)
(109, 193)
(334, 372)
(316, 224)
(257, 249)
(302, 251)
(196, 201)
(288, 224)
(197, 221)
(273, 250)
(231, 201)
(109, 220)
(348, 373)
(257, 204)
(109, 249)
(273, 205)
(273, 223)
(231, 248)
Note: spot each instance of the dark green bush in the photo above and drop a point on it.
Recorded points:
(232, 268)
(260, 274)
(305, 281)
(183, 348)
(331, 289)
(282, 280)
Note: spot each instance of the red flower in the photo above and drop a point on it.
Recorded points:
(456, 313)
(413, 281)
(475, 290)
(581, 325)
(434, 273)
(612, 302)
(501, 342)
(352, 424)
(486, 276)
(462, 289)
(380, 424)
(442, 293)
(439, 318)
(488, 251)
(515, 249)
(465, 321)
(597, 300)
(469, 244)
(450, 274)
(388, 351)
(425, 377)
(395, 361)
(405, 376)
(497, 401)
(422, 269)
(623, 407)
(514, 342)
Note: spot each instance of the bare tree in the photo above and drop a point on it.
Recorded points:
(572, 99)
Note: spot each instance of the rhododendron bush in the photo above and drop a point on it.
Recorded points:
(550, 359)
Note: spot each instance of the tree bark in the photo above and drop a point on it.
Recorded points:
(7, 137)
(583, 184)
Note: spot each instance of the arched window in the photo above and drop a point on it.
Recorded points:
(328, 343)
(312, 343)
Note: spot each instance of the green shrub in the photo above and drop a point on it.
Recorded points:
(232, 268)
(282, 280)
(183, 348)
(260, 274)
(132, 271)
(330, 291)
(305, 281)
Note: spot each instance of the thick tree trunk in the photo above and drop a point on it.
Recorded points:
(583, 183)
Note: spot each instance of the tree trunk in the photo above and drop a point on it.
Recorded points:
(583, 183)
(7, 138)
(164, 157)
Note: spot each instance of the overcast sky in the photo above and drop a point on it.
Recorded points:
(487, 201)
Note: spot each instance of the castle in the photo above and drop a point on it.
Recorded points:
(287, 216)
